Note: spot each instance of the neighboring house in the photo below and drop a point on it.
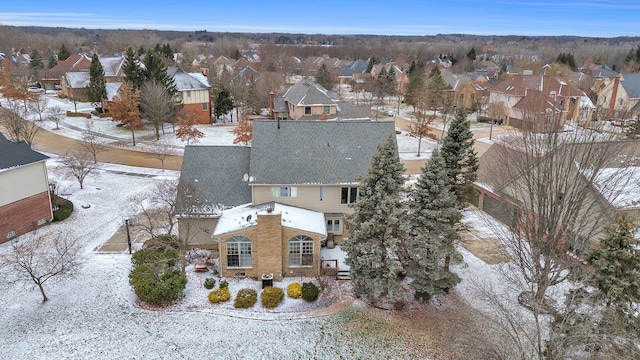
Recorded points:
(353, 72)
(603, 204)
(75, 84)
(574, 105)
(194, 92)
(620, 98)
(25, 202)
(467, 93)
(307, 100)
(269, 207)
(51, 79)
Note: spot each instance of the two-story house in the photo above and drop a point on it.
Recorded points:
(25, 201)
(194, 93)
(620, 97)
(308, 100)
(269, 207)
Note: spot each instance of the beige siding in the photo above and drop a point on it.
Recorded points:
(296, 112)
(22, 182)
(195, 96)
(308, 197)
(200, 231)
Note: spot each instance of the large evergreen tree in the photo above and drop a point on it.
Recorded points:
(439, 92)
(156, 71)
(323, 77)
(133, 73)
(616, 263)
(63, 53)
(430, 240)
(415, 91)
(459, 156)
(223, 104)
(97, 89)
(376, 225)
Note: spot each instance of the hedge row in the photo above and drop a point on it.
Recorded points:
(77, 114)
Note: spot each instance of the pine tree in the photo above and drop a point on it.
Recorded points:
(36, 60)
(323, 77)
(223, 104)
(459, 156)
(415, 91)
(63, 53)
(156, 71)
(432, 232)
(376, 225)
(616, 263)
(133, 73)
(97, 89)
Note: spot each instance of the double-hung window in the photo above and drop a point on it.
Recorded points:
(348, 195)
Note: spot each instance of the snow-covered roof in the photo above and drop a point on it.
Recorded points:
(112, 65)
(621, 194)
(77, 79)
(246, 216)
(112, 89)
(185, 81)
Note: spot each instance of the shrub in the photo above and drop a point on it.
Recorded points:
(77, 114)
(65, 208)
(219, 295)
(163, 243)
(310, 291)
(209, 283)
(399, 305)
(155, 258)
(271, 296)
(245, 298)
(294, 290)
(224, 284)
(168, 286)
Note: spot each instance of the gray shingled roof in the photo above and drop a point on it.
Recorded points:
(311, 152)
(14, 154)
(307, 92)
(353, 67)
(185, 81)
(631, 84)
(216, 172)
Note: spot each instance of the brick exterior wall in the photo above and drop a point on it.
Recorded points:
(203, 116)
(22, 216)
(270, 250)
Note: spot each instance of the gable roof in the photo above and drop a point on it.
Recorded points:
(15, 154)
(520, 84)
(314, 152)
(187, 81)
(217, 175)
(77, 79)
(112, 66)
(307, 92)
(631, 84)
(353, 67)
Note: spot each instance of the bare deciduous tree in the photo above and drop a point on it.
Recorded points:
(91, 142)
(40, 259)
(156, 208)
(79, 165)
(560, 187)
(39, 107)
(156, 105)
(161, 150)
(55, 114)
(18, 129)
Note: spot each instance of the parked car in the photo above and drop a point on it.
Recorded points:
(388, 113)
(34, 89)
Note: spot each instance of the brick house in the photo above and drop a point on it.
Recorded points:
(268, 208)
(620, 97)
(25, 202)
(194, 92)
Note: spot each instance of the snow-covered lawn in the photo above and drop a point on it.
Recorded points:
(95, 315)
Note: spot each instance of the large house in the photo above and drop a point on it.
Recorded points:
(269, 207)
(25, 202)
(549, 97)
(308, 100)
(194, 93)
(620, 97)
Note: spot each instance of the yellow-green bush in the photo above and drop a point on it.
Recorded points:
(294, 290)
(219, 295)
(245, 298)
(271, 297)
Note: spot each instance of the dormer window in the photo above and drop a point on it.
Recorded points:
(307, 110)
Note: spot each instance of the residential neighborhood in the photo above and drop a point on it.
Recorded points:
(385, 204)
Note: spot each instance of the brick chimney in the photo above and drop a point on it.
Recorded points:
(205, 72)
(614, 94)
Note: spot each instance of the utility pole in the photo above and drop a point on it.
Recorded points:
(126, 222)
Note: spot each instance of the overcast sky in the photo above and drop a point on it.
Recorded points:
(402, 17)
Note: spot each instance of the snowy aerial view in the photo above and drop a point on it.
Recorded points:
(198, 195)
